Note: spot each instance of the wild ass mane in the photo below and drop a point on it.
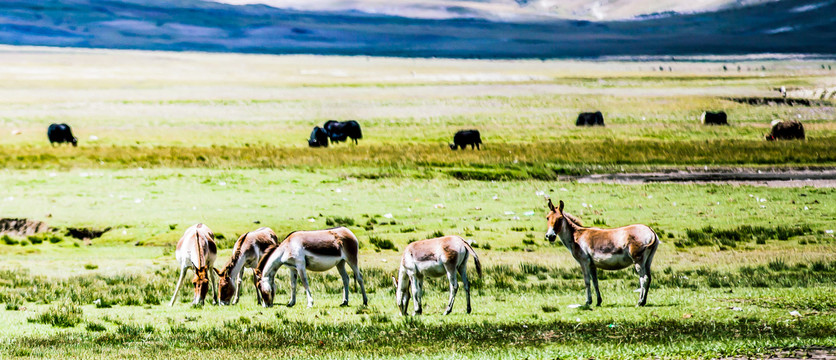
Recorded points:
(236, 254)
(573, 219)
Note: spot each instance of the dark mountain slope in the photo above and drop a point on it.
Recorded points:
(775, 27)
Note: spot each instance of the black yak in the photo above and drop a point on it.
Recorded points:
(61, 133)
(786, 130)
(590, 119)
(341, 130)
(463, 138)
(714, 118)
(319, 137)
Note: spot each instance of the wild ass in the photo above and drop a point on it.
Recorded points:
(608, 249)
(434, 258)
(197, 250)
(245, 253)
(317, 250)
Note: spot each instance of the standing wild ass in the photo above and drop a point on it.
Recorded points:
(608, 249)
(246, 253)
(434, 258)
(317, 250)
(197, 250)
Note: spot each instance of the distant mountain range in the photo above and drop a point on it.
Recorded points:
(509, 10)
(784, 26)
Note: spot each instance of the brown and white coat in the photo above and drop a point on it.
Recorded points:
(317, 250)
(246, 252)
(196, 250)
(608, 249)
(434, 258)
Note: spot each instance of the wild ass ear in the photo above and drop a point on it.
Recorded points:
(217, 271)
(551, 206)
(561, 207)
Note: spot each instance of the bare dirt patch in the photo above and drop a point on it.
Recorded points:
(789, 178)
(22, 227)
(773, 101)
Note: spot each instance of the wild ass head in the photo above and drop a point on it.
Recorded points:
(265, 287)
(226, 286)
(401, 295)
(557, 220)
(201, 284)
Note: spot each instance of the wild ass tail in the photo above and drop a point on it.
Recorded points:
(475, 258)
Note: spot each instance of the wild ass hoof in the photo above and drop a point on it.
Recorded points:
(599, 302)
(468, 309)
(418, 312)
(290, 304)
(344, 304)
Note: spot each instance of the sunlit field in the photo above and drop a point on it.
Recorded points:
(167, 140)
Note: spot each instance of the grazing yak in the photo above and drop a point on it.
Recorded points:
(463, 138)
(714, 118)
(340, 130)
(319, 137)
(60, 133)
(590, 119)
(786, 130)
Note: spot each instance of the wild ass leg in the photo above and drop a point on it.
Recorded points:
(454, 287)
(300, 268)
(238, 280)
(344, 276)
(179, 283)
(257, 293)
(416, 293)
(585, 267)
(463, 273)
(594, 272)
(214, 285)
(292, 288)
(358, 278)
(643, 269)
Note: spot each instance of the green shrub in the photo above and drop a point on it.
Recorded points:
(339, 221)
(8, 240)
(383, 244)
(95, 327)
(65, 314)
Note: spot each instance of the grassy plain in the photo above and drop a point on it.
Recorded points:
(217, 138)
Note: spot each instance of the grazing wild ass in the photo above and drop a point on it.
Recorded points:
(246, 253)
(607, 249)
(197, 250)
(434, 258)
(317, 250)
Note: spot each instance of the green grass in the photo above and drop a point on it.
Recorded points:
(219, 139)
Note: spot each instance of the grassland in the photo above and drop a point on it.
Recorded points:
(219, 139)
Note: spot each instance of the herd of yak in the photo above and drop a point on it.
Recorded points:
(339, 131)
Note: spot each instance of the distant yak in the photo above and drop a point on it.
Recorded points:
(463, 138)
(714, 118)
(341, 130)
(319, 137)
(61, 133)
(786, 130)
(590, 119)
